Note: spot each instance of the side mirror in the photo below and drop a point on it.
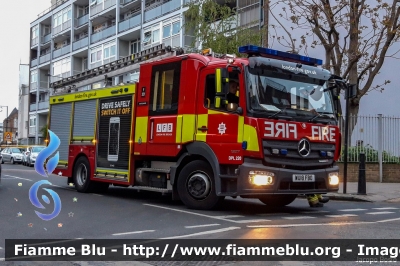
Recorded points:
(239, 110)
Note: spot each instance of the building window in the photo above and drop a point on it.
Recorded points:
(32, 121)
(61, 67)
(35, 32)
(151, 35)
(165, 89)
(135, 46)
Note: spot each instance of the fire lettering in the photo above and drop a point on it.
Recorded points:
(282, 130)
(323, 133)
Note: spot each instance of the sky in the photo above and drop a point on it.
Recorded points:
(17, 16)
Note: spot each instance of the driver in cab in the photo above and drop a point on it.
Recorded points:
(233, 100)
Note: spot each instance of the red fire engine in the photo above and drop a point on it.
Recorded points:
(176, 130)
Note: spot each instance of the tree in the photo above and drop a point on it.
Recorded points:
(217, 26)
(43, 131)
(355, 36)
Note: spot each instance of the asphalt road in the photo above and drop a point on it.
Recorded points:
(123, 213)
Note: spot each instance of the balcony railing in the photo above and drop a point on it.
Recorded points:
(46, 38)
(62, 27)
(130, 23)
(81, 20)
(110, 31)
(34, 62)
(102, 6)
(62, 51)
(44, 58)
(125, 2)
(33, 86)
(41, 106)
(80, 43)
(58, 3)
(162, 9)
(44, 85)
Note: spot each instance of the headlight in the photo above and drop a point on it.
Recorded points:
(261, 178)
(334, 179)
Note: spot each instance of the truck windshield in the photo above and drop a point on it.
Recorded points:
(274, 90)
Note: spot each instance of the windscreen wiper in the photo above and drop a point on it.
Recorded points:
(319, 115)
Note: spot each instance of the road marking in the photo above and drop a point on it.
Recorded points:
(131, 233)
(193, 213)
(2, 259)
(201, 225)
(308, 212)
(300, 225)
(374, 213)
(335, 223)
(228, 216)
(97, 194)
(386, 208)
(298, 217)
(1, 248)
(352, 210)
(341, 215)
(204, 233)
(18, 177)
(252, 221)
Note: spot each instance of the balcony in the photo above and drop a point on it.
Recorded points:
(81, 20)
(34, 62)
(41, 106)
(130, 23)
(43, 85)
(62, 27)
(46, 38)
(84, 42)
(62, 51)
(102, 6)
(44, 58)
(104, 34)
(33, 87)
(161, 10)
(125, 2)
(34, 41)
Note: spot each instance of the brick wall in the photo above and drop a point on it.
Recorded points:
(390, 172)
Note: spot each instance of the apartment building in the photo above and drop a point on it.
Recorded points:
(75, 35)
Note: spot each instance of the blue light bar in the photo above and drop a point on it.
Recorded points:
(322, 153)
(283, 151)
(252, 49)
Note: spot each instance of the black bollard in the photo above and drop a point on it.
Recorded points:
(362, 183)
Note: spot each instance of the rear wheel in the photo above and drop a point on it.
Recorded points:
(82, 180)
(196, 186)
(277, 200)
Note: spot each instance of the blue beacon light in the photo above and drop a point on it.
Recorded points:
(252, 49)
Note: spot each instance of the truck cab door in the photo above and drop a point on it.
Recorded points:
(220, 128)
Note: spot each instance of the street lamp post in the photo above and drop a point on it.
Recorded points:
(1, 110)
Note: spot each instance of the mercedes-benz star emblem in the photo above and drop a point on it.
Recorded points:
(304, 147)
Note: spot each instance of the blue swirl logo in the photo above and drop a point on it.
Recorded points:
(35, 201)
(45, 153)
(50, 166)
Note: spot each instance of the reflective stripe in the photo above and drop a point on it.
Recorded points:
(178, 136)
(240, 129)
(188, 129)
(313, 199)
(141, 129)
(250, 135)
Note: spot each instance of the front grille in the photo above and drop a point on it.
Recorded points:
(293, 160)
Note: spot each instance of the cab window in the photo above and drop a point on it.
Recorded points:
(221, 102)
(165, 89)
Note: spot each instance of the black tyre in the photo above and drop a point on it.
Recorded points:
(82, 175)
(277, 200)
(196, 186)
(12, 160)
(2, 161)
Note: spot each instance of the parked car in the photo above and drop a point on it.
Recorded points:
(12, 155)
(0, 165)
(32, 154)
(25, 154)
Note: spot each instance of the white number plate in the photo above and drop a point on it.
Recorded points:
(303, 178)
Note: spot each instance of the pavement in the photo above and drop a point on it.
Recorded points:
(375, 192)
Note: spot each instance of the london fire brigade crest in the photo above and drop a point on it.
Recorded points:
(221, 128)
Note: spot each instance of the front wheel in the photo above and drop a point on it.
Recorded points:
(196, 186)
(278, 200)
(12, 160)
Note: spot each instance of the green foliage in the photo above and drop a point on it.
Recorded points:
(43, 130)
(371, 155)
(218, 27)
